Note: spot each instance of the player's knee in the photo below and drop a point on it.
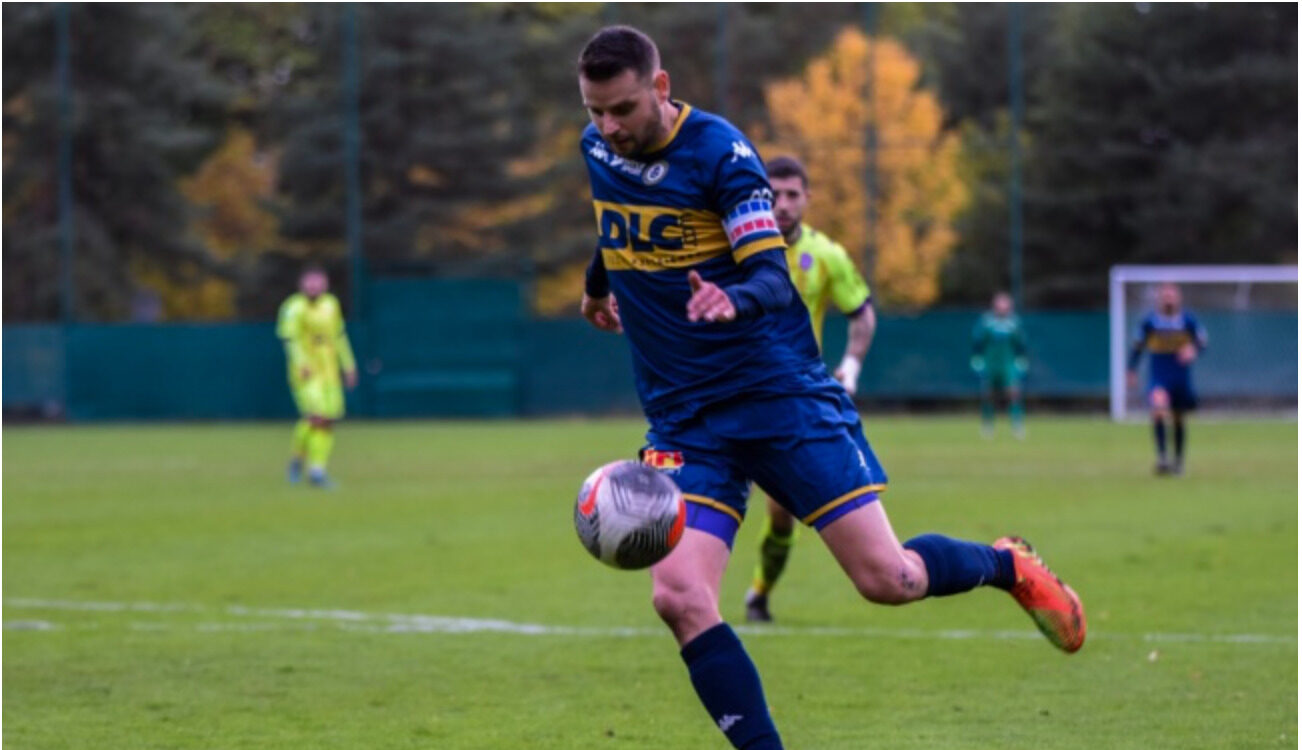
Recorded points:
(883, 586)
(680, 604)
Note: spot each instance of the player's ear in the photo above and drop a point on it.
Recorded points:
(660, 82)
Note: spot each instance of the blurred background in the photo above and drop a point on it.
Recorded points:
(170, 168)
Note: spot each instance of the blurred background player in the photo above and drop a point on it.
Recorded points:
(311, 325)
(1174, 338)
(999, 360)
(822, 273)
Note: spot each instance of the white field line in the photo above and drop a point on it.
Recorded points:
(263, 618)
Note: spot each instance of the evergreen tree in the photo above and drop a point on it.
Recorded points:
(144, 114)
(1162, 134)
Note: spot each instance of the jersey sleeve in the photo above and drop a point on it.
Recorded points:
(846, 286)
(347, 362)
(740, 193)
(1141, 340)
(1196, 331)
(289, 329)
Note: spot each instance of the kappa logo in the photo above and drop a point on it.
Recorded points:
(655, 173)
(599, 152)
(727, 721)
(741, 151)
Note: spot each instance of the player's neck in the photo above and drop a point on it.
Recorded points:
(794, 235)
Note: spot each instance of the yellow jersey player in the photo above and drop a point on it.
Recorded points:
(823, 274)
(311, 326)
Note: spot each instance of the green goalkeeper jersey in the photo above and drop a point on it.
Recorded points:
(823, 273)
(314, 337)
(998, 344)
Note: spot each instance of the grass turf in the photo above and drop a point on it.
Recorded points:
(153, 573)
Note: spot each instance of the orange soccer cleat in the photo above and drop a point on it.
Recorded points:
(1052, 604)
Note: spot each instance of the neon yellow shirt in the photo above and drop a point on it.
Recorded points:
(314, 336)
(823, 272)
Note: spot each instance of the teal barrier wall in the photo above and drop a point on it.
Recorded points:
(468, 348)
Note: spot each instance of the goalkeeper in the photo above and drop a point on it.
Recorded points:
(311, 326)
(999, 360)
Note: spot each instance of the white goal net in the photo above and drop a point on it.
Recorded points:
(1250, 313)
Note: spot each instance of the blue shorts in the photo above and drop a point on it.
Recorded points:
(805, 449)
(1181, 392)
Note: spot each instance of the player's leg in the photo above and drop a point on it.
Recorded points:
(685, 586)
(1159, 404)
(830, 479)
(321, 442)
(987, 407)
(776, 540)
(1016, 408)
(686, 596)
(1178, 432)
(322, 398)
(302, 429)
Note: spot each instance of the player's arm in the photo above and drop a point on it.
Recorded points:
(1197, 340)
(1136, 354)
(979, 340)
(850, 294)
(598, 304)
(1020, 351)
(740, 193)
(289, 329)
(347, 362)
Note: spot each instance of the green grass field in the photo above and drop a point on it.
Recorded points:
(164, 588)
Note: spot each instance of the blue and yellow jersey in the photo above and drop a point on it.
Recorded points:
(1162, 337)
(699, 200)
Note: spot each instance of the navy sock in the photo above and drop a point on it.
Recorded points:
(955, 566)
(729, 687)
(1159, 435)
(1179, 440)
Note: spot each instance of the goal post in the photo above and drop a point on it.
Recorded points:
(1251, 316)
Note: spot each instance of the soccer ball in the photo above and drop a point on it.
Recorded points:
(629, 515)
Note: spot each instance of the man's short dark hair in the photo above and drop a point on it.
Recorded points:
(786, 167)
(312, 268)
(616, 49)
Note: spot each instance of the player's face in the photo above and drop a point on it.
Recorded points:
(314, 284)
(1003, 305)
(790, 197)
(627, 109)
(1168, 298)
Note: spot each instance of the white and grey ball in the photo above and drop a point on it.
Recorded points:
(629, 515)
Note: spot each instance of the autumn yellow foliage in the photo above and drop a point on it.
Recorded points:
(864, 88)
(229, 191)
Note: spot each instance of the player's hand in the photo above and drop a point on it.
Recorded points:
(602, 313)
(1132, 379)
(350, 379)
(1187, 354)
(847, 374)
(709, 303)
(978, 365)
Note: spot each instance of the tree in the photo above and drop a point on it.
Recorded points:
(824, 117)
(1163, 134)
(144, 114)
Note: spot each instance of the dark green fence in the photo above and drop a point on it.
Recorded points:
(469, 348)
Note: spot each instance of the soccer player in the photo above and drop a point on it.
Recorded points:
(1173, 338)
(999, 360)
(822, 273)
(691, 267)
(311, 325)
